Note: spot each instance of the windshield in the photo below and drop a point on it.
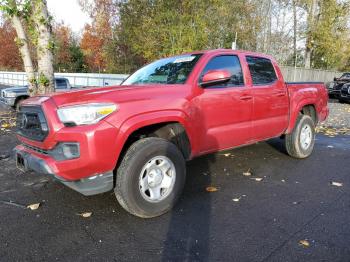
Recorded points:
(173, 70)
(345, 76)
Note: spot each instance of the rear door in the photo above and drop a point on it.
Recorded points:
(271, 102)
(225, 109)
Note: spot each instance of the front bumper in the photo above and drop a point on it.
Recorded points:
(10, 101)
(334, 92)
(96, 184)
(344, 97)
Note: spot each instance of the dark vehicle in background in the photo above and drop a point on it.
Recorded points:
(345, 93)
(334, 88)
(13, 96)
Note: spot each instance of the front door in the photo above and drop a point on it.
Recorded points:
(225, 110)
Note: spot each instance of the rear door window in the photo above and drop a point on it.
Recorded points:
(261, 70)
(226, 62)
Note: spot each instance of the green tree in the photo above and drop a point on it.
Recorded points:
(330, 35)
(152, 29)
(32, 23)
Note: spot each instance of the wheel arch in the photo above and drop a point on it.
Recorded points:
(305, 108)
(173, 126)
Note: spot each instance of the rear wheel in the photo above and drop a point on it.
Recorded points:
(301, 141)
(150, 177)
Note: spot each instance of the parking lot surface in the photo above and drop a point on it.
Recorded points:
(286, 210)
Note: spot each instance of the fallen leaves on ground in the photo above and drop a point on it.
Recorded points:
(337, 122)
(7, 121)
(85, 214)
(258, 179)
(247, 173)
(34, 206)
(211, 189)
(338, 184)
(304, 243)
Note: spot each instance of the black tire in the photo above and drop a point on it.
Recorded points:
(343, 101)
(293, 142)
(127, 188)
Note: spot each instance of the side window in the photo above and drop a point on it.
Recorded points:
(230, 63)
(61, 84)
(261, 70)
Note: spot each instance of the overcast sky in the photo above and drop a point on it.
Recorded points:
(69, 12)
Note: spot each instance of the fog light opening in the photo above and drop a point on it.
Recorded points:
(70, 150)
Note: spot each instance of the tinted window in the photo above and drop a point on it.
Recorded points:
(61, 84)
(261, 70)
(230, 63)
(173, 70)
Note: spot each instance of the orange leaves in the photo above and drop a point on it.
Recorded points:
(211, 189)
(92, 46)
(9, 55)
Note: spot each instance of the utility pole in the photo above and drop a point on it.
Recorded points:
(310, 27)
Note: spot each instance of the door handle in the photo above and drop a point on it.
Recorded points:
(245, 98)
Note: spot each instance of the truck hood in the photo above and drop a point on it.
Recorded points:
(112, 94)
(17, 89)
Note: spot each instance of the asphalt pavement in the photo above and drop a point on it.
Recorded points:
(293, 214)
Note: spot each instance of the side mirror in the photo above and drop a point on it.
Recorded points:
(215, 77)
(335, 79)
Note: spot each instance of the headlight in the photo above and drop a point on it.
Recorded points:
(85, 114)
(10, 94)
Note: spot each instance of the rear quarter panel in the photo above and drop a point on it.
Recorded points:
(303, 94)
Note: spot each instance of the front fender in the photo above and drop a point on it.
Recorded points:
(150, 118)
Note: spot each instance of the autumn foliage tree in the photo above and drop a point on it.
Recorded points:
(98, 41)
(10, 58)
(68, 56)
(92, 45)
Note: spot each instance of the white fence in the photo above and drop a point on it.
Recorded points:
(290, 74)
(75, 79)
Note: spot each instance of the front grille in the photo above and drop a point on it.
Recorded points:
(31, 123)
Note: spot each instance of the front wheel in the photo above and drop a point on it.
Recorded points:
(150, 177)
(301, 141)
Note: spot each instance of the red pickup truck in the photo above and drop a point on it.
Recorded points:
(135, 138)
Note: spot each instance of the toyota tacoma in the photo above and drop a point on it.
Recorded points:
(135, 138)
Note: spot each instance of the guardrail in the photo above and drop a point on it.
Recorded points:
(75, 79)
